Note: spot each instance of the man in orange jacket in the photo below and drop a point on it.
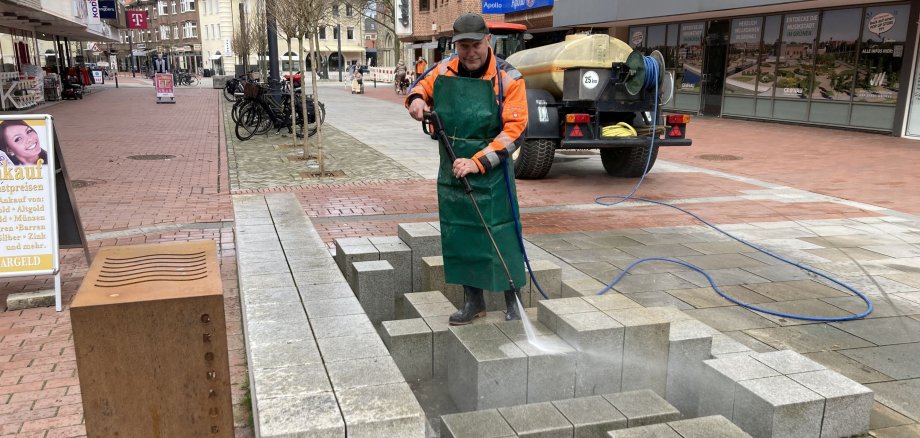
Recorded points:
(420, 66)
(483, 105)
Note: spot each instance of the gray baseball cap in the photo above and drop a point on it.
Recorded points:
(470, 27)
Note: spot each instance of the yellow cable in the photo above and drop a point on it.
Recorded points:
(621, 129)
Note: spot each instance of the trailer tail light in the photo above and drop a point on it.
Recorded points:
(578, 118)
(678, 119)
(677, 125)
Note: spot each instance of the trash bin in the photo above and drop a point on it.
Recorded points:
(151, 342)
(208, 73)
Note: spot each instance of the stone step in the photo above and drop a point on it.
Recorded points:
(702, 427)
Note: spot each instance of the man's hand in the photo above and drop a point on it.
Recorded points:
(464, 167)
(417, 109)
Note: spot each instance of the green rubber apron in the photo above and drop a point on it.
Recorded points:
(470, 113)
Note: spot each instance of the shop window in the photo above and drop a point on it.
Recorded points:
(689, 58)
(884, 32)
(795, 77)
(835, 59)
(742, 72)
(655, 39)
(770, 48)
(637, 37)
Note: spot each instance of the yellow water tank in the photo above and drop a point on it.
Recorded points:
(544, 67)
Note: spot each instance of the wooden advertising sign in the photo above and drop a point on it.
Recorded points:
(30, 191)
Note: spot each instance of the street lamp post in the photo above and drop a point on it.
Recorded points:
(338, 29)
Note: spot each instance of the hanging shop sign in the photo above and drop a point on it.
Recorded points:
(92, 9)
(136, 19)
(107, 9)
(507, 6)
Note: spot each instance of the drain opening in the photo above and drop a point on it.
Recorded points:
(718, 157)
(152, 157)
(326, 174)
(80, 183)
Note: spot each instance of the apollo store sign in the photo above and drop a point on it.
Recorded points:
(507, 6)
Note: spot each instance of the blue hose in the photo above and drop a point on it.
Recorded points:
(651, 79)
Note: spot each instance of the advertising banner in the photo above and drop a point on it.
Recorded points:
(97, 77)
(28, 233)
(136, 19)
(92, 12)
(164, 85)
(507, 6)
(107, 9)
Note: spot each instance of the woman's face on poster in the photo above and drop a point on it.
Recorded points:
(22, 142)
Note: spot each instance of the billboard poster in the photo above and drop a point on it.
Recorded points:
(107, 9)
(28, 234)
(164, 86)
(92, 9)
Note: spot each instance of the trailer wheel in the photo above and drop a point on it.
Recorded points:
(534, 159)
(628, 162)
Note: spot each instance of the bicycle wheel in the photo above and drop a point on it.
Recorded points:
(266, 121)
(194, 81)
(249, 121)
(238, 109)
(320, 116)
(228, 92)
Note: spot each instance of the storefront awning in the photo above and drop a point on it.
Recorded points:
(48, 25)
(216, 56)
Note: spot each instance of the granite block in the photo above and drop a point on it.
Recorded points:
(650, 431)
(550, 368)
(777, 407)
(382, 411)
(719, 380)
(352, 254)
(847, 404)
(598, 340)
(715, 426)
(611, 301)
(549, 310)
(690, 343)
(549, 278)
(495, 301)
(315, 415)
(591, 416)
(375, 286)
(336, 307)
(284, 353)
(725, 345)
(326, 291)
(425, 241)
(485, 372)
(351, 347)
(642, 407)
(307, 379)
(430, 310)
(787, 362)
(580, 287)
(369, 371)
(477, 424)
(645, 348)
(410, 345)
(346, 325)
(439, 341)
(400, 257)
(537, 420)
(431, 274)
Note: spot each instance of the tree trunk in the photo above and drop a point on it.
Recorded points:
(303, 99)
(293, 101)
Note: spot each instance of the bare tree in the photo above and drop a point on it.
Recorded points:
(259, 35)
(290, 23)
(382, 13)
(241, 43)
(316, 15)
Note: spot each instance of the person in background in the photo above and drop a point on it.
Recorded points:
(420, 66)
(482, 104)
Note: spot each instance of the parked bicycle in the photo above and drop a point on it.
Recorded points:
(263, 109)
(186, 78)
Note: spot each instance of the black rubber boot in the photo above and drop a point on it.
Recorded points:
(511, 297)
(473, 307)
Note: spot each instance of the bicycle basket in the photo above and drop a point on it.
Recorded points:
(252, 90)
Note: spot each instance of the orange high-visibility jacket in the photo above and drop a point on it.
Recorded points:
(514, 107)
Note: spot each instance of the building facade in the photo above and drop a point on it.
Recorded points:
(216, 32)
(173, 31)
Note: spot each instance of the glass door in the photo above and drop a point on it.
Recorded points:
(714, 55)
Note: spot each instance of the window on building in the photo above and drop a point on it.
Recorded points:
(207, 32)
(322, 33)
(161, 6)
(884, 34)
(188, 5)
(172, 8)
(335, 10)
(689, 58)
(795, 76)
(335, 33)
(217, 27)
(349, 11)
(350, 33)
(190, 29)
(423, 5)
(741, 73)
(175, 32)
(164, 32)
(836, 56)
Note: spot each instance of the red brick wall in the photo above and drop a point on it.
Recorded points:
(444, 15)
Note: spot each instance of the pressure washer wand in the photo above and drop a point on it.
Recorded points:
(432, 121)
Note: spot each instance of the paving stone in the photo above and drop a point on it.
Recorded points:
(548, 311)
(690, 343)
(580, 287)
(781, 272)
(425, 241)
(645, 347)
(664, 250)
(477, 424)
(336, 307)
(909, 431)
(328, 291)
(375, 286)
(550, 374)
(643, 407)
(410, 345)
(848, 367)
(371, 371)
(883, 307)
(591, 416)
(847, 404)
(486, 369)
(730, 318)
(720, 247)
(283, 381)
(808, 338)
(882, 417)
(399, 255)
(794, 290)
(715, 426)
(260, 333)
(549, 277)
(898, 361)
(722, 277)
(902, 396)
(300, 415)
(787, 362)
(883, 331)
(611, 301)
(658, 299)
(306, 278)
(598, 338)
(649, 431)
(431, 310)
(431, 277)
(810, 307)
(439, 341)
(719, 381)
(346, 255)
(351, 347)
(346, 325)
(274, 312)
(749, 342)
(777, 407)
(631, 284)
(265, 281)
(537, 420)
(381, 411)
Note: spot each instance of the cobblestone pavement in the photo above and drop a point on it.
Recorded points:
(825, 197)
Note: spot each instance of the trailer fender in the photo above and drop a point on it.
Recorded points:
(543, 116)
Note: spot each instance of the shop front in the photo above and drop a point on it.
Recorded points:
(841, 66)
